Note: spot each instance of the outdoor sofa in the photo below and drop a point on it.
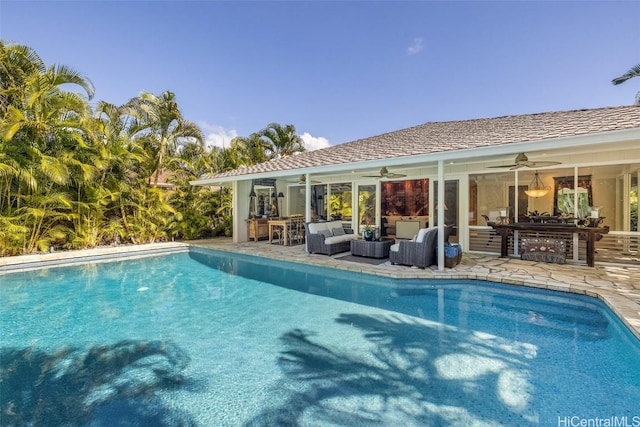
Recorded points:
(328, 237)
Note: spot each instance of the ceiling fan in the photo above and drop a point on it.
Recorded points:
(303, 180)
(384, 173)
(523, 161)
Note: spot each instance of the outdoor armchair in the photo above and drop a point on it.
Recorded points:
(420, 252)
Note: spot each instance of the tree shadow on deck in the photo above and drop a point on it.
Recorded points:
(102, 385)
(419, 373)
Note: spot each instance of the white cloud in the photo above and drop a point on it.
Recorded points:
(415, 47)
(217, 136)
(314, 143)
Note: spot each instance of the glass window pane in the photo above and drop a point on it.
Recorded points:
(633, 202)
(405, 198)
(296, 200)
(367, 204)
(615, 195)
(340, 204)
(487, 194)
(319, 202)
(450, 202)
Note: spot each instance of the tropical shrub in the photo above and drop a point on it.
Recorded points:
(74, 176)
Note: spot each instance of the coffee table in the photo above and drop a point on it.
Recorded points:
(371, 249)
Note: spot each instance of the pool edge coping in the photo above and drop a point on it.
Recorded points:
(33, 262)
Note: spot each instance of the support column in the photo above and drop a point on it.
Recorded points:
(440, 205)
(240, 204)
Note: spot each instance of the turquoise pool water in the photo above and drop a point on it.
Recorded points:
(210, 339)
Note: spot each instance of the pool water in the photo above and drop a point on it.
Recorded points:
(211, 339)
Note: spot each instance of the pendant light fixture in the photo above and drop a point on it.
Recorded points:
(537, 187)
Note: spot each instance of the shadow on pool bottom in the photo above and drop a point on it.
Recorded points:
(102, 385)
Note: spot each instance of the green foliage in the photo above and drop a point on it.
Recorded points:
(282, 141)
(223, 226)
(73, 176)
(12, 235)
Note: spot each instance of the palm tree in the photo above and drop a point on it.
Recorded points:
(46, 149)
(196, 205)
(121, 152)
(160, 127)
(252, 149)
(101, 215)
(76, 179)
(226, 159)
(282, 141)
(633, 72)
(17, 63)
(46, 117)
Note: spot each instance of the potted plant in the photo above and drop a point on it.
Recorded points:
(368, 228)
(367, 232)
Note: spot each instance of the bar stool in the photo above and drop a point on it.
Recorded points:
(279, 231)
(296, 231)
(300, 230)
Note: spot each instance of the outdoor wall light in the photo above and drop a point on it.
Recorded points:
(280, 196)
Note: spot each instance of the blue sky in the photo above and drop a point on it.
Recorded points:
(339, 70)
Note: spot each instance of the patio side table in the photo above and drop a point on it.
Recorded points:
(371, 249)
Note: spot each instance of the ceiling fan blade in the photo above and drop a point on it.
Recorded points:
(384, 173)
(523, 161)
(502, 166)
(541, 164)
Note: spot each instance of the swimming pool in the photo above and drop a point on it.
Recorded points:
(209, 338)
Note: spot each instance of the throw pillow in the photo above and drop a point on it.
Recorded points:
(325, 233)
(423, 233)
(338, 231)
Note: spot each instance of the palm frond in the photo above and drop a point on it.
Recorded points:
(61, 74)
(633, 72)
(55, 170)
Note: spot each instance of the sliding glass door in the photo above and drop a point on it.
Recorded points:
(367, 203)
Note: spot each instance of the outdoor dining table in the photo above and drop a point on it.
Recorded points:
(285, 224)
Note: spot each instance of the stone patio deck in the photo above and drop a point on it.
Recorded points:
(618, 286)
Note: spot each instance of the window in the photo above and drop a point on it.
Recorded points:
(564, 199)
(633, 203)
(405, 198)
(340, 202)
(366, 203)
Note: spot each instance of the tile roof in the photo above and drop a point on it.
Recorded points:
(435, 137)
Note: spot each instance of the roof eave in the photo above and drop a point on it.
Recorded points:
(624, 135)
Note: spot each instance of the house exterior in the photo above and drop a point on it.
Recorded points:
(587, 163)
